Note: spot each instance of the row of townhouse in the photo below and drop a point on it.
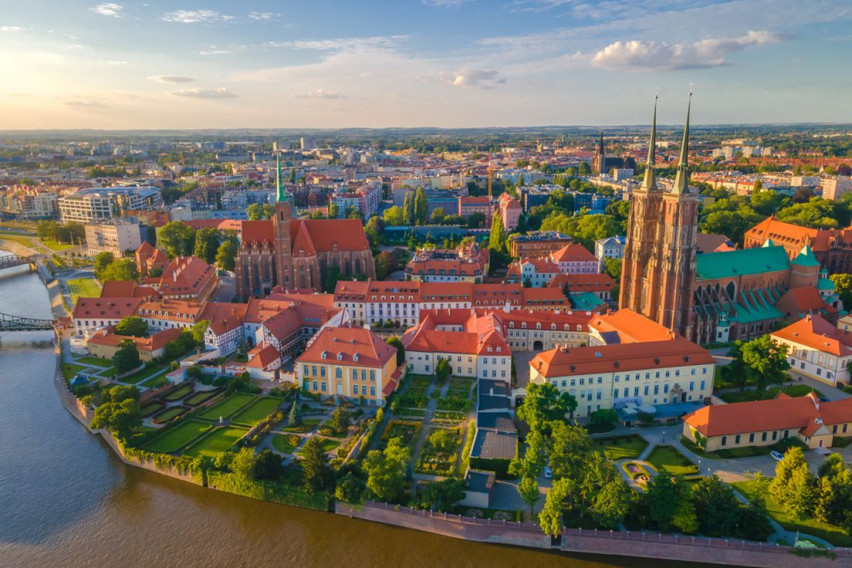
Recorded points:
(371, 302)
(538, 272)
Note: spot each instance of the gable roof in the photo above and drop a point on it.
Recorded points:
(346, 343)
(715, 265)
(573, 253)
(815, 332)
(627, 326)
(105, 308)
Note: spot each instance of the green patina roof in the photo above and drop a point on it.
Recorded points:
(825, 284)
(769, 243)
(806, 257)
(713, 265)
(586, 301)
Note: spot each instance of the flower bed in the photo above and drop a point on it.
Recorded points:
(439, 461)
(399, 429)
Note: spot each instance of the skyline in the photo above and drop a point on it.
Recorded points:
(430, 63)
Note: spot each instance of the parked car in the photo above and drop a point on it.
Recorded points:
(777, 456)
(548, 473)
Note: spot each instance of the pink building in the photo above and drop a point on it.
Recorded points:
(510, 211)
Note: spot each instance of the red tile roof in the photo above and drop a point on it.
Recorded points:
(262, 357)
(583, 282)
(573, 253)
(630, 326)
(185, 276)
(105, 308)
(816, 333)
(224, 316)
(126, 289)
(342, 344)
(148, 344)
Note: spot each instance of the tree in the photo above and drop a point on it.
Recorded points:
(102, 261)
(198, 330)
(176, 238)
(529, 492)
(339, 421)
(295, 417)
(267, 465)
(716, 507)
(207, 244)
(386, 263)
(400, 349)
(497, 239)
(443, 370)
(843, 287)
(570, 447)
(421, 207)
(437, 216)
(550, 517)
(442, 495)
(124, 269)
(126, 357)
(611, 503)
(332, 276)
(243, 463)
(767, 360)
(544, 403)
(120, 418)
(407, 209)
(386, 470)
(133, 326)
(119, 393)
(395, 216)
(350, 490)
(442, 440)
(315, 471)
(794, 486)
(662, 498)
(226, 254)
(476, 220)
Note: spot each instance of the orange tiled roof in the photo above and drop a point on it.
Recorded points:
(631, 327)
(148, 344)
(105, 308)
(573, 253)
(342, 344)
(185, 275)
(816, 333)
(224, 316)
(126, 289)
(261, 357)
(583, 282)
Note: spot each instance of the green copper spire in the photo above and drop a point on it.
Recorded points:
(650, 181)
(279, 193)
(682, 178)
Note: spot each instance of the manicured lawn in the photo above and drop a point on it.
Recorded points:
(176, 438)
(170, 414)
(155, 381)
(179, 392)
(108, 373)
(667, 458)
(830, 533)
(144, 373)
(70, 369)
(216, 442)
(228, 407)
(328, 445)
(257, 411)
(56, 246)
(749, 395)
(304, 427)
(284, 444)
(200, 397)
(620, 447)
(96, 361)
(151, 408)
(85, 287)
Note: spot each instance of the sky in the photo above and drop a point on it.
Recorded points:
(409, 63)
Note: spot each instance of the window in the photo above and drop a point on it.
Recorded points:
(355, 390)
(322, 371)
(615, 393)
(372, 376)
(751, 438)
(315, 385)
(737, 439)
(774, 436)
(304, 369)
(724, 440)
(763, 437)
(338, 373)
(322, 387)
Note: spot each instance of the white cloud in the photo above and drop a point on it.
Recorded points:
(319, 94)
(84, 104)
(656, 56)
(214, 52)
(108, 9)
(220, 93)
(480, 78)
(10, 28)
(263, 16)
(171, 78)
(341, 44)
(195, 17)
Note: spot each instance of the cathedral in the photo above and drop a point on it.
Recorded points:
(658, 273)
(298, 253)
(711, 297)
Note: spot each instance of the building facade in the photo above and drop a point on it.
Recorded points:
(116, 238)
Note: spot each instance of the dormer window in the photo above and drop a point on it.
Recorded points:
(324, 354)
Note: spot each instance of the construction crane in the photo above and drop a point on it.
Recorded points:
(490, 175)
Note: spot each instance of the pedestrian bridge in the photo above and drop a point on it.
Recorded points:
(12, 260)
(10, 322)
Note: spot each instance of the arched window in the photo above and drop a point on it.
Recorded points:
(731, 290)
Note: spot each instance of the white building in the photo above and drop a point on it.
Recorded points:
(611, 247)
(115, 237)
(817, 349)
(100, 204)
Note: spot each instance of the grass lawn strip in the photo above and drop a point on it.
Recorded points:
(667, 458)
(200, 397)
(178, 393)
(284, 444)
(215, 442)
(151, 408)
(227, 407)
(155, 381)
(328, 445)
(257, 411)
(620, 447)
(306, 426)
(83, 287)
(831, 533)
(144, 373)
(176, 438)
(70, 369)
(96, 361)
(169, 414)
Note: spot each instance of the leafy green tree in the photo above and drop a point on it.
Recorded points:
(663, 498)
(442, 440)
(395, 216)
(570, 447)
(386, 263)
(753, 521)
(176, 238)
(408, 209)
(332, 276)
(529, 492)
(120, 418)
(207, 244)
(716, 507)
(350, 490)
(102, 261)
(339, 421)
(386, 470)
(400, 349)
(843, 287)
(544, 403)
(585, 229)
(267, 465)
(476, 220)
(315, 471)
(497, 239)
(441, 495)
(767, 361)
(198, 330)
(124, 269)
(119, 393)
(611, 503)
(243, 464)
(295, 417)
(793, 485)
(133, 326)
(126, 357)
(421, 207)
(226, 254)
(443, 370)
(550, 517)
(685, 519)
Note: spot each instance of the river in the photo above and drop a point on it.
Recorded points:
(65, 500)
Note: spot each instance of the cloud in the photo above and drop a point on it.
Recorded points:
(84, 104)
(220, 93)
(480, 78)
(108, 9)
(215, 52)
(319, 94)
(342, 44)
(171, 78)
(445, 3)
(263, 16)
(10, 28)
(195, 17)
(661, 56)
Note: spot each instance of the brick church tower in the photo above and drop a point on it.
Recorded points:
(281, 227)
(599, 161)
(658, 273)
